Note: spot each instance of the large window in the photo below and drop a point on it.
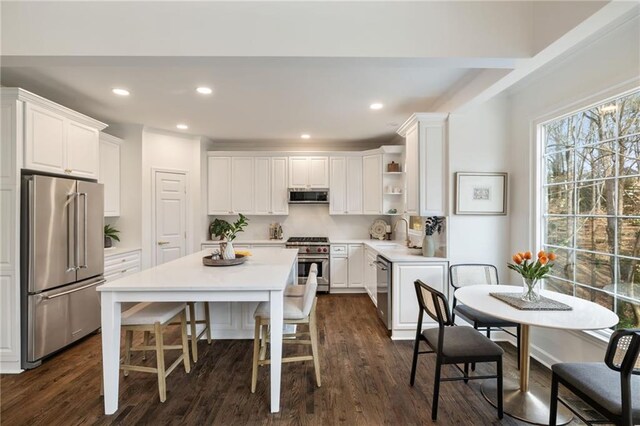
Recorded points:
(591, 204)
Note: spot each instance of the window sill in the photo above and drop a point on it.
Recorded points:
(598, 337)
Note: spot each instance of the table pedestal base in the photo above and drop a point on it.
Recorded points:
(531, 407)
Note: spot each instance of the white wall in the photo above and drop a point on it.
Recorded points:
(601, 69)
(170, 152)
(479, 142)
(130, 221)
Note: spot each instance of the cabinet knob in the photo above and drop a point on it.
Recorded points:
(123, 271)
(68, 170)
(230, 212)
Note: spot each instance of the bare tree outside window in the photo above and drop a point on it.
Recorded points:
(591, 208)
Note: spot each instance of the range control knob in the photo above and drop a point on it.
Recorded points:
(308, 250)
(325, 250)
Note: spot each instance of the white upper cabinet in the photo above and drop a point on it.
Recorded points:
(309, 172)
(83, 148)
(247, 185)
(279, 187)
(354, 185)
(262, 187)
(372, 184)
(59, 140)
(426, 164)
(45, 142)
(345, 185)
(318, 172)
(219, 186)
(242, 185)
(338, 185)
(109, 173)
(412, 200)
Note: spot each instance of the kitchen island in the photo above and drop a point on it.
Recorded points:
(263, 277)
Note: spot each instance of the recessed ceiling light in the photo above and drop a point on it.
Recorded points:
(120, 92)
(305, 136)
(204, 90)
(376, 105)
(182, 126)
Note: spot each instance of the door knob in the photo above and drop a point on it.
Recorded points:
(162, 243)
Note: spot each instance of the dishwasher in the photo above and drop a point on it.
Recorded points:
(383, 290)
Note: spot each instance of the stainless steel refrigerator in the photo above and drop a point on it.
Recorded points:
(62, 259)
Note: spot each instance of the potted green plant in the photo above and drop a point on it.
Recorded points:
(110, 234)
(226, 232)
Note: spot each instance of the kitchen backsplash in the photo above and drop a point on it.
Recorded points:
(308, 221)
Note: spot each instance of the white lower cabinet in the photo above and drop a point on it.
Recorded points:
(370, 274)
(346, 269)
(122, 264)
(404, 301)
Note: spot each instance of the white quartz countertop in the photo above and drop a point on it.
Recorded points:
(266, 269)
(393, 251)
(112, 251)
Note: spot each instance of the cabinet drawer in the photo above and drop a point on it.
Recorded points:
(121, 266)
(121, 258)
(339, 249)
(120, 273)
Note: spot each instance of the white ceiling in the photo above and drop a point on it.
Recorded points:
(266, 98)
(280, 69)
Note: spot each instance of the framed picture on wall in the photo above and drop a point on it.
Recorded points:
(481, 193)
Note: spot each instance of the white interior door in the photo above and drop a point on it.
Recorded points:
(171, 216)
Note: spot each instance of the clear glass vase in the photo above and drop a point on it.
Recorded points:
(530, 289)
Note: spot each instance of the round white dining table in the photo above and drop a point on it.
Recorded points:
(525, 401)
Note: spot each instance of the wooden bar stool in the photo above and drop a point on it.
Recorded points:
(155, 317)
(193, 321)
(297, 310)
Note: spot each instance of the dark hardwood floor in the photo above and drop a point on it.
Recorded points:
(365, 381)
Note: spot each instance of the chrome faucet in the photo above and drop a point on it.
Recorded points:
(406, 230)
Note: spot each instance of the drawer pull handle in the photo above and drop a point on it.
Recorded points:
(123, 271)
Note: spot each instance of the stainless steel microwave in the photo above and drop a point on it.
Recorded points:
(308, 196)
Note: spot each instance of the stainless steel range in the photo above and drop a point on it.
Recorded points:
(312, 250)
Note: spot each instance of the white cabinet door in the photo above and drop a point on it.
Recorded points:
(318, 172)
(433, 167)
(405, 303)
(219, 186)
(370, 275)
(82, 150)
(411, 171)
(372, 184)
(298, 172)
(279, 186)
(242, 185)
(109, 175)
(356, 266)
(354, 185)
(262, 185)
(338, 185)
(45, 146)
(339, 271)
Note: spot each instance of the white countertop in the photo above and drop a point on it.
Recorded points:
(112, 251)
(393, 250)
(585, 315)
(266, 269)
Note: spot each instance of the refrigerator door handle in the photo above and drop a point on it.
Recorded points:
(64, 293)
(72, 265)
(84, 226)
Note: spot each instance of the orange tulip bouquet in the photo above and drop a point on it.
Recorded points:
(532, 271)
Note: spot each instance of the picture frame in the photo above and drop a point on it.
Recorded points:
(480, 193)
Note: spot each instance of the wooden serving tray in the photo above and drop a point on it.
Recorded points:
(209, 261)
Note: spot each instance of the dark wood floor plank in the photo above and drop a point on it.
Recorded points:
(365, 381)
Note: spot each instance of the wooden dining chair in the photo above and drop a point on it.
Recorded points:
(155, 318)
(452, 345)
(611, 387)
(463, 275)
(297, 311)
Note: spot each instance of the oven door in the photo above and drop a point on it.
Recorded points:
(304, 266)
